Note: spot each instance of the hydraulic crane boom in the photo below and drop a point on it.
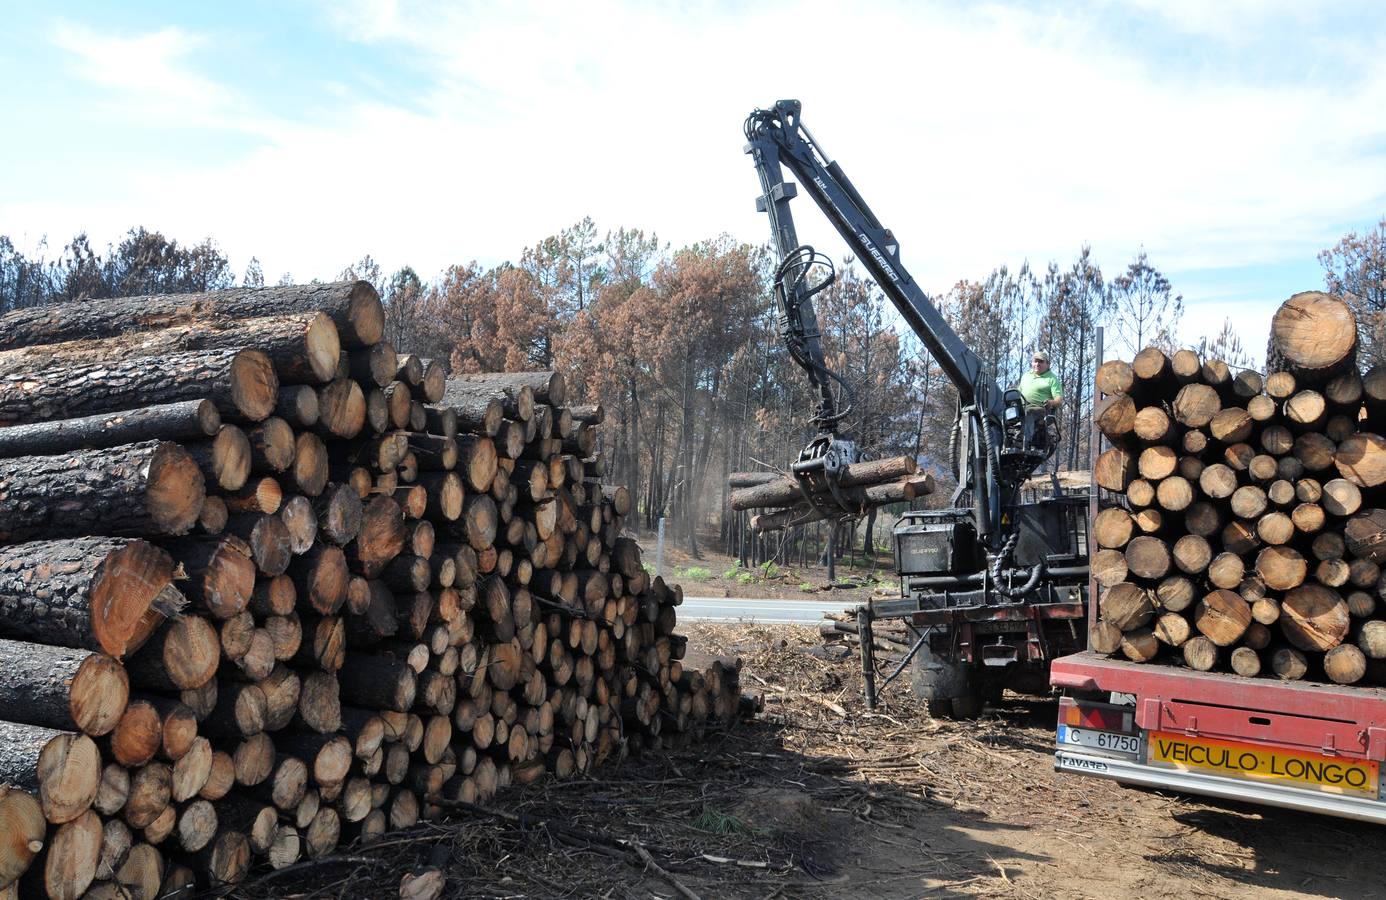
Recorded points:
(989, 467)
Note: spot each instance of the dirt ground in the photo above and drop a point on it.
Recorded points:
(818, 798)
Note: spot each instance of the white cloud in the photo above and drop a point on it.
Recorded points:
(980, 137)
(153, 66)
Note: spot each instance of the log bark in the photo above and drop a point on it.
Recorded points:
(546, 387)
(303, 347)
(61, 688)
(241, 383)
(786, 492)
(354, 308)
(472, 400)
(186, 420)
(98, 593)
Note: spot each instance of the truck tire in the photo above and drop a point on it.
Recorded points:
(949, 689)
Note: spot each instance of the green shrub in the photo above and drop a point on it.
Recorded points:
(692, 573)
(745, 578)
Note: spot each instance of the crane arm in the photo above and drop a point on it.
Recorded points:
(777, 137)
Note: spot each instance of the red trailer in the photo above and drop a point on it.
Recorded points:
(1312, 747)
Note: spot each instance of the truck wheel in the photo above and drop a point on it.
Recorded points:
(969, 707)
(948, 688)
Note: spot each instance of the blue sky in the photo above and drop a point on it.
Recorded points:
(1232, 140)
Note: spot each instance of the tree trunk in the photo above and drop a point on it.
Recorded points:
(241, 383)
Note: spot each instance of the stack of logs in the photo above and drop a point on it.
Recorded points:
(267, 586)
(1250, 534)
(861, 486)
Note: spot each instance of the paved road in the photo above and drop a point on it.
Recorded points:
(748, 609)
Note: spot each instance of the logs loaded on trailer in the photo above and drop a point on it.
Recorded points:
(268, 586)
(861, 485)
(1247, 528)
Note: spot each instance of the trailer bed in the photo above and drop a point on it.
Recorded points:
(1305, 746)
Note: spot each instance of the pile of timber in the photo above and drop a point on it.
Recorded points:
(1250, 532)
(891, 638)
(268, 586)
(861, 486)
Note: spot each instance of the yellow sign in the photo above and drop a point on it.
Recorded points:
(1289, 767)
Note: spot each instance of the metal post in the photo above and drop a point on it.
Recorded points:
(1094, 450)
(659, 551)
(868, 655)
(832, 554)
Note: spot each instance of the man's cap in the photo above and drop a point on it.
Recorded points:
(1040, 354)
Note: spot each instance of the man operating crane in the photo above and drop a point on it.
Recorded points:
(1040, 386)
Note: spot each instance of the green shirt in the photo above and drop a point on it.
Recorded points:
(1039, 389)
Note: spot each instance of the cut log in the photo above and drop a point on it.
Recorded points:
(341, 409)
(1313, 335)
(181, 655)
(1116, 419)
(1195, 405)
(1200, 653)
(220, 573)
(786, 491)
(1281, 568)
(1361, 459)
(545, 387)
(1148, 557)
(303, 347)
(141, 489)
(22, 831)
(1365, 534)
(1345, 664)
(1314, 617)
(186, 420)
(61, 688)
(73, 854)
(1115, 377)
(225, 459)
(354, 308)
(1245, 662)
(1126, 606)
(471, 399)
(241, 383)
(98, 593)
(1222, 616)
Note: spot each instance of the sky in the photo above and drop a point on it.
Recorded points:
(1231, 140)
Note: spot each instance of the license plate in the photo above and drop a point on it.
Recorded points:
(1246, 762)
(1100, 740)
